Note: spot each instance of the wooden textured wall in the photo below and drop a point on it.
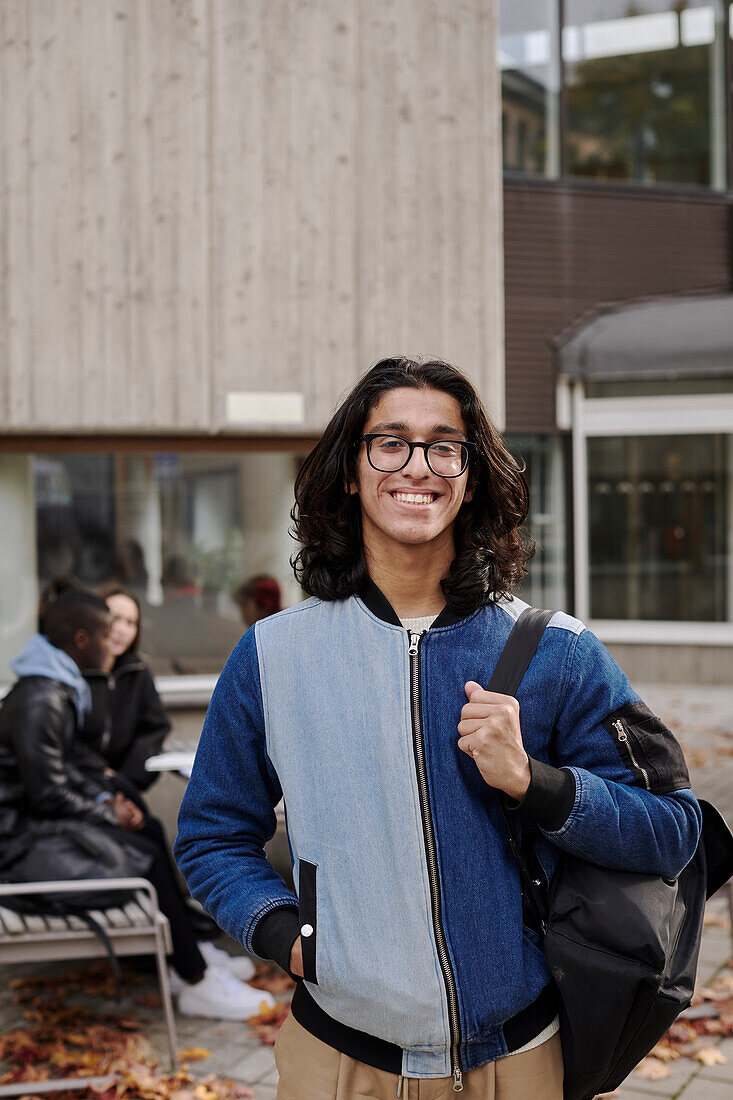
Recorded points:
(572, 249)
(200, 197)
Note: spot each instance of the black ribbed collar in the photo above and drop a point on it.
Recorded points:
(380, 606)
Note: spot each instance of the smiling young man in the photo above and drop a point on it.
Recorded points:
(364, 708)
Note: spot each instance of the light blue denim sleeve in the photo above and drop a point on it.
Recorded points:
(614, 821)
(227, 814)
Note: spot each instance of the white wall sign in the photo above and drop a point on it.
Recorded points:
(264, 407)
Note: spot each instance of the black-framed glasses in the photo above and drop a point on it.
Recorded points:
(390, 453)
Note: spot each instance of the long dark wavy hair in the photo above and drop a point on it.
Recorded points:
(492, 553)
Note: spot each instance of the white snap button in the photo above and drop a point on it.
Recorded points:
(306, 930)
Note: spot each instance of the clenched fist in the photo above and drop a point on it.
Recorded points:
(491, 735)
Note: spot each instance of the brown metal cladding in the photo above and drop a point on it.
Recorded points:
(570, 249)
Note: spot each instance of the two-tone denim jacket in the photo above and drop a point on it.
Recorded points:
(416, 955)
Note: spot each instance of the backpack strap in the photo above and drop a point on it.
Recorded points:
(520, 648)
(94, 925)
(514, 660)
(55, 907)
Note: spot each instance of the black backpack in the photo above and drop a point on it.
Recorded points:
(70, 850)
(622, 947)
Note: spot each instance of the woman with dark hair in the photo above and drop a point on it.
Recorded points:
(127, 723)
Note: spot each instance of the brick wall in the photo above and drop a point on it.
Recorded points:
(570, 248)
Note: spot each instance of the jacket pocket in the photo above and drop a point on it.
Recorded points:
(648, 748)
(308, 912)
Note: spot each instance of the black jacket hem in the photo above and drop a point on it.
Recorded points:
(518, 1030)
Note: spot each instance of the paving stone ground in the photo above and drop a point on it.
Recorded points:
(702, 718)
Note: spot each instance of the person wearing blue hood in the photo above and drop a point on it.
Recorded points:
(43, 793)
(47, 703)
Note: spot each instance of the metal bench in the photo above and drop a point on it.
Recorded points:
(137, 927)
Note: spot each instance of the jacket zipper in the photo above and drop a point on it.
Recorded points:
(107, 731)
(626, 740)
(431, 856)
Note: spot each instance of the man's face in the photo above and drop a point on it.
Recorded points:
(92, 645)
(412, 506)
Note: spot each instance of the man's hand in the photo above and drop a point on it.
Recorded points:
(490, 733)
(129, 816)
(296, 958)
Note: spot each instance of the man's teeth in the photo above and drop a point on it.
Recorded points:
(414, 498)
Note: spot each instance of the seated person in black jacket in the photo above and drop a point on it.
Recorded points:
(39, 783)
(127, 723)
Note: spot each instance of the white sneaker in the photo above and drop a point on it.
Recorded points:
(241, 966)
(175, 981)
(220, 996)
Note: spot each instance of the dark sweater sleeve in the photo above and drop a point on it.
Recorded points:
(550, 796)
(275, 935)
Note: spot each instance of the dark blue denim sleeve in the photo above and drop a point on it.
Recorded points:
(615, 820)
(227, 814)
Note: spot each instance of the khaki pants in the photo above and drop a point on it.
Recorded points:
(311, 1070)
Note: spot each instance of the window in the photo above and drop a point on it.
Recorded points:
(181, 531)
(657, 387)
(529, 85)
(659, 520)
(644, 91)
(642, 87)
(542, 456)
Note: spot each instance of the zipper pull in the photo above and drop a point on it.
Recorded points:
(619, 727)
(457, 1080)
(624, 739)
(414, 643)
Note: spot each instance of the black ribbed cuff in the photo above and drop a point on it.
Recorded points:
(550, 796)
(275, 935)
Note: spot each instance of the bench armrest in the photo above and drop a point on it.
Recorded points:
(70, 886)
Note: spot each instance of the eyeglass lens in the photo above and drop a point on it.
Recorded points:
(445, 457)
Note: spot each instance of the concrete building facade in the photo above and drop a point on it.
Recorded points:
(213, 218)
